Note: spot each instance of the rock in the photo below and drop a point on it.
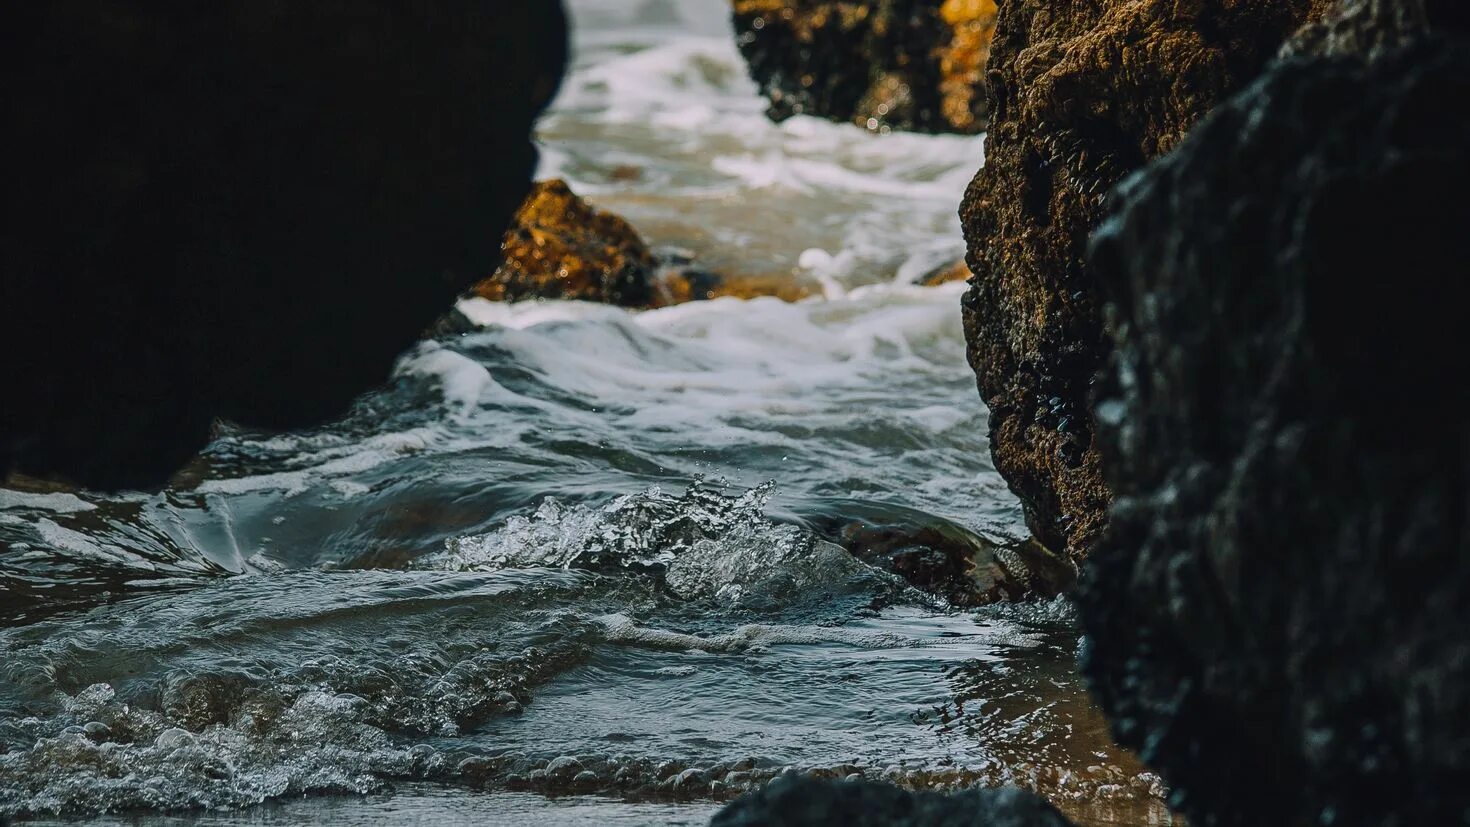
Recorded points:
(958, 271)
(791, 800)
(197, 701)
(561, 247)
(1276, 617)
(243, 210)
(1080, 95)
(678, 285)
(1368, 28)
(883, 64)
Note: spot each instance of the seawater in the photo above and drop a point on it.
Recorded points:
(575, 566)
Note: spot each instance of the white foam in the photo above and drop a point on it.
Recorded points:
(462, 380)
(55, 502)
(622, 629)
(669, 95)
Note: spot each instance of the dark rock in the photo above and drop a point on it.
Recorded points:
(965, 569)
(243, 210)
(1276, 617)
(1080, 95)
(807, 802)
(1369, 28)
(451, 324)
(883, 64)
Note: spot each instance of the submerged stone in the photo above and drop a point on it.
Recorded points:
(957, 566)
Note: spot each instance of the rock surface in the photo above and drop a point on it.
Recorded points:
(950, 562)
(1276, 618)
(561, 247)
(805, 802)
(1081, 93)
(243, 210)
(883, 64)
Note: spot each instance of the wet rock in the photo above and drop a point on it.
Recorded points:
(1081, 94)
(680, 284)
(940, 560)
(958, 271)
(451, 324)
(1368, 29)
(882, 64)
(243, 210)
(561, 247)
(563, 767)
(197, 701)
(1276, 615)
(790, 800)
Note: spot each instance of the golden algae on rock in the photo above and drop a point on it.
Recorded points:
(561, 247)
(882, 64)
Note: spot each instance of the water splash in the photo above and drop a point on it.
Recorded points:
(703, 543)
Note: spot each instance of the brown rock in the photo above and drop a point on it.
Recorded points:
(680, 284)
(561, 247)
(966, 570)
(1081, 94)
(1276, 612)
(901, 64)
(958, 271)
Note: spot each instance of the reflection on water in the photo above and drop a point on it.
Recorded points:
(497, 591)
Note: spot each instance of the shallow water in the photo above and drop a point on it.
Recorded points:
(574, 566)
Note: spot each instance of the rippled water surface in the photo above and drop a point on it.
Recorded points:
(576, 566)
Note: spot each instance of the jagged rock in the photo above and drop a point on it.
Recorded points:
(1276, 618)
(883, 64)
(243, 210)
(806, 802)
(1369, 28)
(1080, 95)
